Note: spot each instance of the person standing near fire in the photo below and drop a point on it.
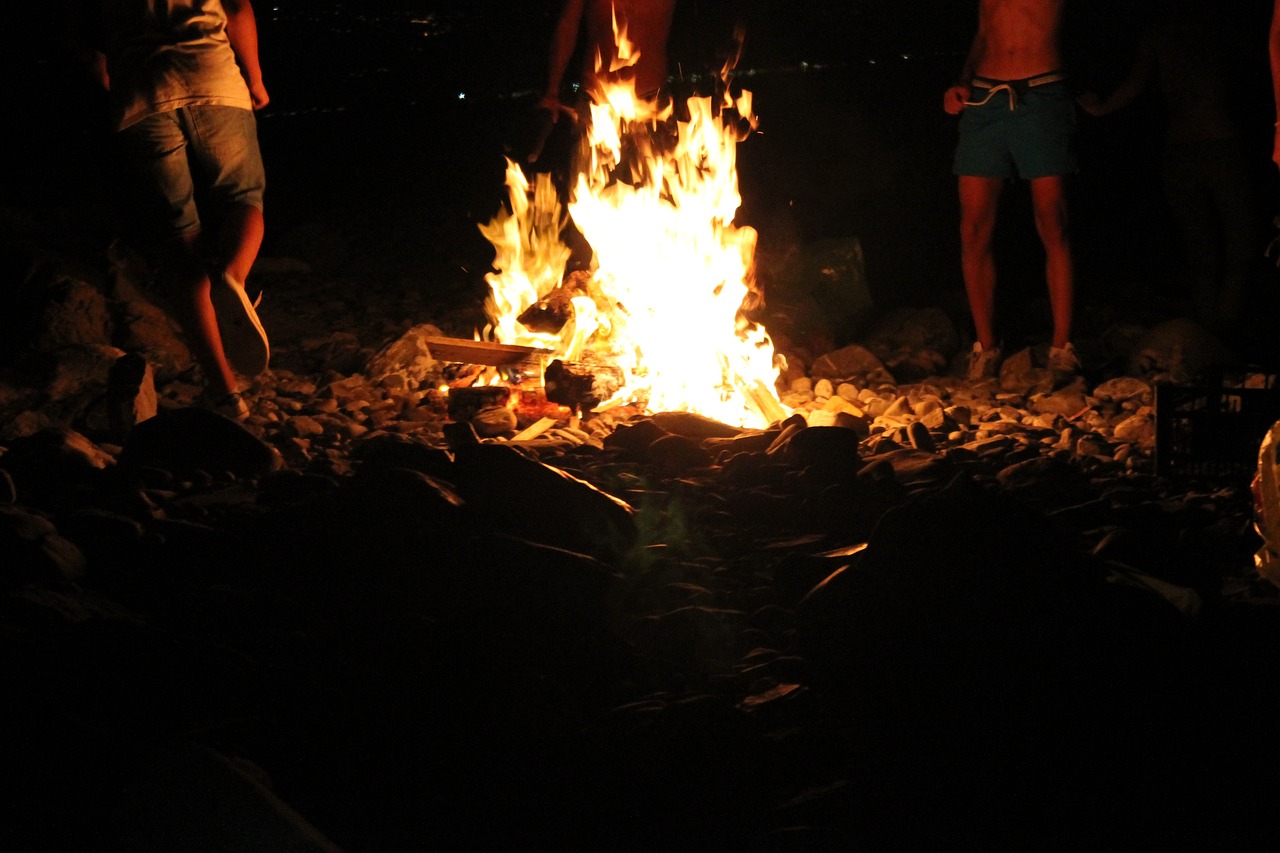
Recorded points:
(1017, 121)
(1205, 170)
(184, 81)
(647, 27)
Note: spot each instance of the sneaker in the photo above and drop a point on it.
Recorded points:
(983, 363)
(243, 339)
(1064, 363)
(231, 406)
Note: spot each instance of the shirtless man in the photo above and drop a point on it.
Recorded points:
(647, 24)
(1018, 119)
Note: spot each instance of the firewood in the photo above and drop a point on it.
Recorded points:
(550, 314)
(465, 402)
(581, 385)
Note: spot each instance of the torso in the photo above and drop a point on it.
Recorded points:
(1019, 38)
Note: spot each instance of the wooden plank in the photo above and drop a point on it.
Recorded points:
(534, 430)
(481, 352)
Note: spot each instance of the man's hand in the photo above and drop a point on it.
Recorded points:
(1091, 103)
(258, 94)
(552, 104)
(953, 100)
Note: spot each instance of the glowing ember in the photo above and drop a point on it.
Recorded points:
(655, 198)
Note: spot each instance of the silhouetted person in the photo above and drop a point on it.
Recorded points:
(640, 60)
(1017, 121)
(1204, 170)
(647, 26)
(184, 81)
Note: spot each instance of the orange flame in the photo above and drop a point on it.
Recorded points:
(655, 198)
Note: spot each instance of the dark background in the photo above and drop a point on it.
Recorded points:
(389, 122)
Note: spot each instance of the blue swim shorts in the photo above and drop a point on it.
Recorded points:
(1017, 131)
(210, 149)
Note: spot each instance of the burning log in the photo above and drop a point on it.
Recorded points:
(551, 313)
(464, 403)
(581, 385)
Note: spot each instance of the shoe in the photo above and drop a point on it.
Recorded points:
(1064, 363)
(983, 363)
(231, 406)
(243, 339)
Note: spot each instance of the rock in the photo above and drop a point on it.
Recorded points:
(190, 439)
(1125, 388)
(540, 503)
(1179, 351)
(676, 455)
(832, 448)
(1020, 375)
(851, 362)
(35, 551)
(54, 466)
(494, 420)
(1063, 402)
(635, 437)
(75, 314)
(694, 426)
(131, 395)
(408, 357)
(1139, 428)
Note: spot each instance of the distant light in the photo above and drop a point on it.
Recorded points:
(462, 96)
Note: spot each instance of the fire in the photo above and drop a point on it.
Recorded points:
(671, 274)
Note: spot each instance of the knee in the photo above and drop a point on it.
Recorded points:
(975, 234)
(1052, 224)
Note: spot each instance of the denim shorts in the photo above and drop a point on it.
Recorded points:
(212, 150)
(1027, 136)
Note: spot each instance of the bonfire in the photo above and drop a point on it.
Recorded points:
(662, 309)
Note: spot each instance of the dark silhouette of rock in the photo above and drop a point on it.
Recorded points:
(196, 439)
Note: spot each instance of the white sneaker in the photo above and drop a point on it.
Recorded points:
(243, 339)
(231, 406)
(983, 363)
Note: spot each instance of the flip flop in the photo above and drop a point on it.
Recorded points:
(243, 339)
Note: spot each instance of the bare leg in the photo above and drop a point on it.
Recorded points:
(240, 239)
(1049, 199)
(189, 279)
(979, 202)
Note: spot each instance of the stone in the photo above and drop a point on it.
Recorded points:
(850, 362)
(494, 420)
(1124, 388)
(409, 357)
(187, 439)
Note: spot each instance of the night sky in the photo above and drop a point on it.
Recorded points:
(392, 96)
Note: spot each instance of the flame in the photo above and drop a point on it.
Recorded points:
(656, 199)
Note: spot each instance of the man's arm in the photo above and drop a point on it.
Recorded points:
(563, 42)
(1144, 66)
(242, 32)
(1274, 50)
(954, 98)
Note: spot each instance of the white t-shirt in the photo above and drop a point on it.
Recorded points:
(166, 54)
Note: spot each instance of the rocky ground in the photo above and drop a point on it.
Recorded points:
(918, 612)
